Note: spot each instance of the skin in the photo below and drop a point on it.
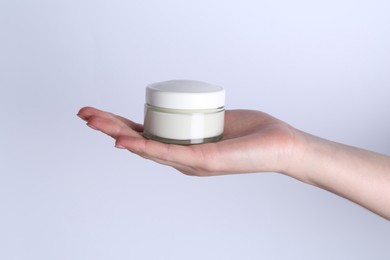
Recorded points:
(257, 142)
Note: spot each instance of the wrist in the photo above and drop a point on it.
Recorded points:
(301, 155)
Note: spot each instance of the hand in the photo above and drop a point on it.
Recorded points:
(256, 142)
(253, 142)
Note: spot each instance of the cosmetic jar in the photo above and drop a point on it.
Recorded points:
(184, 112)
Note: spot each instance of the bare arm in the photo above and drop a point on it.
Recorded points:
(257, 142)
(359, 175)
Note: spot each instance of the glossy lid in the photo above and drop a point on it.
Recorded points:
(185, 94)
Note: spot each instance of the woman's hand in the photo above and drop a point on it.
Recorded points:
(253, 142)
(256, 142)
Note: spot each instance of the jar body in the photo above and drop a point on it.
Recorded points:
(183, 126)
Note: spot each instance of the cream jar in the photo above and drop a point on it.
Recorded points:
(184, 112)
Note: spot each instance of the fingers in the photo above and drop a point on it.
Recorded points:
(131, 124)
(109, 123)
(196, 159)
(111, 127)
(150, 149)
(86, 112)
(192, 160)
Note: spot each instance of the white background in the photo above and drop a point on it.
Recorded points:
(67, 193)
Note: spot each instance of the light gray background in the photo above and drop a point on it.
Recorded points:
(66, 193)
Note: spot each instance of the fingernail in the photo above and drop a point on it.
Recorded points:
(82, 117)
(119, 146)
(91, 126)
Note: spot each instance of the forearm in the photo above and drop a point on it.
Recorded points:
(356, 174)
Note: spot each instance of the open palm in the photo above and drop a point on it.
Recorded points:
(253, 142)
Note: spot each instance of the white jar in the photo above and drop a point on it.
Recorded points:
(184, 112)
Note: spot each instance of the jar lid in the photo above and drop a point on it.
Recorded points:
(185, 94)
